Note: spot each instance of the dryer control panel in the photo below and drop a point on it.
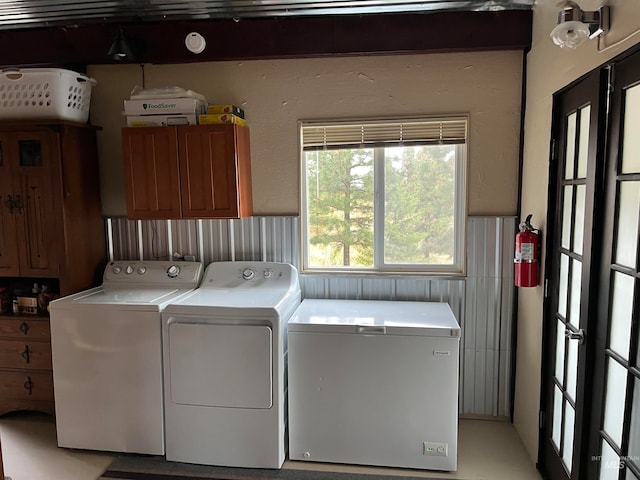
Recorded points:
(250, 275)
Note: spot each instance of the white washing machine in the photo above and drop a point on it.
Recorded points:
(224, 366)
(374, 382)
(107, 356)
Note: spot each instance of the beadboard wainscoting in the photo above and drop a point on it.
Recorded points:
(483, 301)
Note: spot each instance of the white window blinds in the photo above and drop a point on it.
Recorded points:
(368, 134)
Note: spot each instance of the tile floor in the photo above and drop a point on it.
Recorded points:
(488, 450)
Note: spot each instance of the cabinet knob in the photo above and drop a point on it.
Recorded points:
(9, 203)
(24, 327)
(26, 354)
(17, 204)
(28, 385)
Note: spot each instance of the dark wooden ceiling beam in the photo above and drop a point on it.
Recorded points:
(287, 37)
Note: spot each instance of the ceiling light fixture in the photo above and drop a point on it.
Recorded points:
(195, 42)
(120, 50)
(575, 25)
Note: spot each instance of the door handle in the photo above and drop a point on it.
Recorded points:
(377, 329)
(579, 335)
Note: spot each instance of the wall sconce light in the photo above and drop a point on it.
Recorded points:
(575, 25)
(120, 49)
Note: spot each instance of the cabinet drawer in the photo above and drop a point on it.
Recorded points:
(22, 327)
(27, 385)
(23, 354)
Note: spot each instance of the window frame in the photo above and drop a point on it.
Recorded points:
(456, 269)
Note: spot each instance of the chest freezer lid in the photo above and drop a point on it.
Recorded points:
(432, 319)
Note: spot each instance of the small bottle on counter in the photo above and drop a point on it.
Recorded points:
(5, 300)
(43, 299)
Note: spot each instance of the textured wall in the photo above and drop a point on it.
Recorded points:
(483, 302)
(277, 93)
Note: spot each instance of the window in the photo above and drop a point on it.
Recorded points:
(384, 196)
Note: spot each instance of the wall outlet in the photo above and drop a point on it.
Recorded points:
(435, 449)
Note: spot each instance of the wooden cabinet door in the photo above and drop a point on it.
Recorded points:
(208, 171)
(9, 265)
(34, 205)
(28, 245)
(152, 175)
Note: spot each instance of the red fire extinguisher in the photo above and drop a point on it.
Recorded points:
(527, 255)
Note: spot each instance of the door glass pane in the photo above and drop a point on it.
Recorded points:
(609, 463)
(30, 153)
(583, 144)
(629, 475)
(621, 310)
(572, 368)
(571, 143)
(576, 288)
(631, 139)
(557, 417)
(627, 224)
(614, 400)
(560, 352)
(566, 217)
(567, 444)
(578, 225)
(563, 287)
(634, 430)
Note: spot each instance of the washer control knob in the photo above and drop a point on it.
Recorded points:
(248, 274)
(117, 269)
(129, 270)
(173, 271)
(142, 270)
(268, 274)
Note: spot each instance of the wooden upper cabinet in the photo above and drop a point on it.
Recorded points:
(188, 171)
(151, 172)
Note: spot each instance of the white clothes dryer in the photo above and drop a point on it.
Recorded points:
(224, 366)
(107, 356)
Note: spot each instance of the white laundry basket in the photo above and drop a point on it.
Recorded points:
(44, 93)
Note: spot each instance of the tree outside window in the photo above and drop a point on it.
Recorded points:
(384, 208)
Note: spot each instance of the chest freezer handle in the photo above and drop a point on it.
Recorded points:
(377, 329)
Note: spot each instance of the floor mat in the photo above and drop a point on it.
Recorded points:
(134, 467)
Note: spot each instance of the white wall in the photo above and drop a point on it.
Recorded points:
(277, 93)
(550, 68)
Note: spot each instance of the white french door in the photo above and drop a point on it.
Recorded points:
(568, 305)
(615, 436)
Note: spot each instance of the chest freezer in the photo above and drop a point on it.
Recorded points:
(374, 383)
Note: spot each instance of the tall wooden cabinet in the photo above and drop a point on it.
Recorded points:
(187, 171)
(51, 230)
